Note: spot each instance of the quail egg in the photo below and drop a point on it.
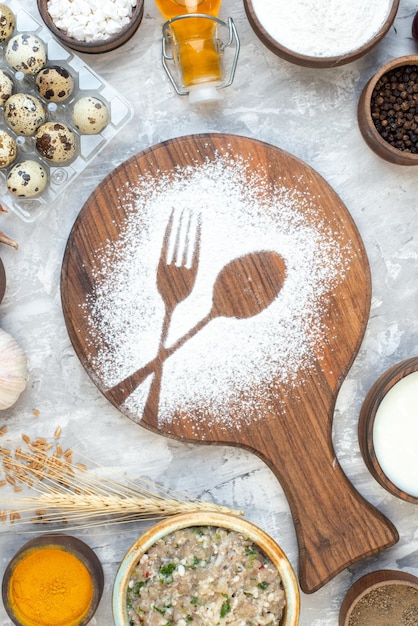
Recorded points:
(56, 142)
(8, 149)
(55, 83)
(90, 115)
(26, 53)
(7, 23)
(6, 86)
(24, 113)
(27, 179)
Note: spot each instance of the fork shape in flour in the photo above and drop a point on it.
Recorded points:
(178, 264)
(176, 276)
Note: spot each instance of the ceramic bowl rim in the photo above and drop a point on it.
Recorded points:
(204, 518)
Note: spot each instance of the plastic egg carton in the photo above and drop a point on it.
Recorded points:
(86, 83)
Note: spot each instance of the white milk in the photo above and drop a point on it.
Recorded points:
(395, 434)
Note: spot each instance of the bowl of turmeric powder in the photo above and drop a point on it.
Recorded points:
(53, 580)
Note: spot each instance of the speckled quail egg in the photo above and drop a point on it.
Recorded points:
(56, 142)
(55, 83)
(24, 113)
(8, 149)
(27, 179)
(7, 23)
(26, 53)
(90, 115)
(6, 86)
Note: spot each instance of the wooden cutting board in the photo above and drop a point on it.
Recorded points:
(231, 349)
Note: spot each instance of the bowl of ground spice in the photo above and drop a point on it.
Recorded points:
(388, 111)
(321, 34)
(53, 580)
(381, 597)
(205, 568)
(95, 29)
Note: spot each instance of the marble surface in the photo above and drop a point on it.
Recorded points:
(312, 114)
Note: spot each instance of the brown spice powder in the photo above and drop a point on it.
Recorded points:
(388, 605)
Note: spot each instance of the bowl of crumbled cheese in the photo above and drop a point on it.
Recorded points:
(321, 33)
(92, 26)
(205, 568)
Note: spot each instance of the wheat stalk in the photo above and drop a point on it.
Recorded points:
(48, 487)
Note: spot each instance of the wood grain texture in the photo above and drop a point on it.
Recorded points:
(377, 392)
(334, 525)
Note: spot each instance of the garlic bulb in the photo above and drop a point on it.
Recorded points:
(13, 370)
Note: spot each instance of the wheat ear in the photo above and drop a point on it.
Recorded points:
(48, 487)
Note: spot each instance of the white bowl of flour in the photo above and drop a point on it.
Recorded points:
(321, 33)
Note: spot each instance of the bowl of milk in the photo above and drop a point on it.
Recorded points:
(388, 430)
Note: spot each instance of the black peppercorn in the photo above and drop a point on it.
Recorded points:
(394, 108)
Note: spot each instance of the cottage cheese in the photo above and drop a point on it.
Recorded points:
(91, 20)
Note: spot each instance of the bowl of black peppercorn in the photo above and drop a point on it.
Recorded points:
(388, 111)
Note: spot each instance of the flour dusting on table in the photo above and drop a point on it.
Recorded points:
(217, 370)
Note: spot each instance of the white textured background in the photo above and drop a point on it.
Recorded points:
(312, 114)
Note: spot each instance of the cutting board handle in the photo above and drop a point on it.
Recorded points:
(335, 526)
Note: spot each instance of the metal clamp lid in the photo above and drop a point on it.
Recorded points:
(168, 56)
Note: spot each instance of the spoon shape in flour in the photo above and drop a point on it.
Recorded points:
(243, 288)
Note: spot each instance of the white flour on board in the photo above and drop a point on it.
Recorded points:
(212, 374)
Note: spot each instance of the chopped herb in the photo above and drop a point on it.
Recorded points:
(167, 572)
(162, 610)
(250, 551)
(189, 618)
(194, 564)
(138, 586)
(193, 600)
(198, 531)
(263, 585)
(226, 606)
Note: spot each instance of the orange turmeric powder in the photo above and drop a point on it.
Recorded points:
(50, 587)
